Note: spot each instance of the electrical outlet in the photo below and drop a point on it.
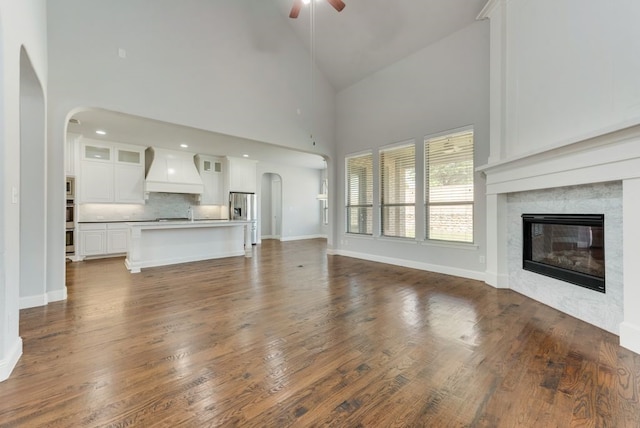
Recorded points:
(481, 259)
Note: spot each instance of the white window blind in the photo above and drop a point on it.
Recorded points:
(398, 191)
(449, 187)
(360, 194)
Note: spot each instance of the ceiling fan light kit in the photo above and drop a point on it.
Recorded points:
(297, 5)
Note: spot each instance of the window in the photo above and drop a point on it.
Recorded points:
(398, 191)
(449, 187)
(360, 194)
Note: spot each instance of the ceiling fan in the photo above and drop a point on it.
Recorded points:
(297, 5)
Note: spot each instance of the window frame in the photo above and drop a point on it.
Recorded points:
(368, 188)
(453, 203)
(381, 199)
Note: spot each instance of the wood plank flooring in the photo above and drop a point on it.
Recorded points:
(292, 337)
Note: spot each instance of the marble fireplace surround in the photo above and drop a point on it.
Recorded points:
(597, 173)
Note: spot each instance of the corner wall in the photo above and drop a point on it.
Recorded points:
(442, 87)
(22, 24)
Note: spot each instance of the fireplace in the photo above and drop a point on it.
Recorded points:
(569, 247)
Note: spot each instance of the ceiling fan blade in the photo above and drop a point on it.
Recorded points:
(337, 4)
(295, 9)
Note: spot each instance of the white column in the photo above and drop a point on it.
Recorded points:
(496, 273)
(630, 327)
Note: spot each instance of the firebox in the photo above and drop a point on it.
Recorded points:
(569, 247)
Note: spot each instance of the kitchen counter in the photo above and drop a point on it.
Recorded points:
(159, 243)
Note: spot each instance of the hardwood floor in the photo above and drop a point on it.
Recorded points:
(292, 337)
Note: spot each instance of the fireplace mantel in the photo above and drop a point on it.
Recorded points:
(613, 156)
(606, 157)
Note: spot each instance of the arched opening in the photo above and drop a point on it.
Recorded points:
(271, 206)
(32, 187)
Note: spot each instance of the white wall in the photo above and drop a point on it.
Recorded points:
(300, 214)
(22, 23)
(33, 219)
(572, 70)
(233, 67)
(442, 87)
(565, 103)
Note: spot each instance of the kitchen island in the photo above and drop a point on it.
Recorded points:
(156, 243)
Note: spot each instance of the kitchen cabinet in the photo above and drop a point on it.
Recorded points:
(70, 154)
(129, 184)
(241, 175)
(100, 239)
(211, 169)
(117, 238)
(93, 239)
(95, 182)
(111, 173)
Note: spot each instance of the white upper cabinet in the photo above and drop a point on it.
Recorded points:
(96, 182)
(111, 173)
(211, 169)
(241, 174)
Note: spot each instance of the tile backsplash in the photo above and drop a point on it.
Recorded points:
(159, 205)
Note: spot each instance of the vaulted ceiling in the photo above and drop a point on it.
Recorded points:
(369, 35)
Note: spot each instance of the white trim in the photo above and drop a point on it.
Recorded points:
(57, 295)
(33, 301)
(450, 132)
(9, 363)
(425, 242)
(630, 336)
(469, 246)
(398, 145)
(396, 239)
(447, 270)
(488, 8)
(301, 237)
(43, 299)
(497, 280)
(358, 154)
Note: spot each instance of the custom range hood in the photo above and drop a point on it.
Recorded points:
(171, 171)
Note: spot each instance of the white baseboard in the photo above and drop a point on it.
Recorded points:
(497, 280)
(33, 301)
(43, 299)
(447, 270)
(301, 237)
(57, 295)
(8, 363)
(630, 336)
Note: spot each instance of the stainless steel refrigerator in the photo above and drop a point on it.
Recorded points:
(242, 206)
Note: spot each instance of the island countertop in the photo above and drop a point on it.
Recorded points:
(173, 224)
(159, 243)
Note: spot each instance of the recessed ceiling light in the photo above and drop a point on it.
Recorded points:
(245, 156)
(184, 146)
(101, 132)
